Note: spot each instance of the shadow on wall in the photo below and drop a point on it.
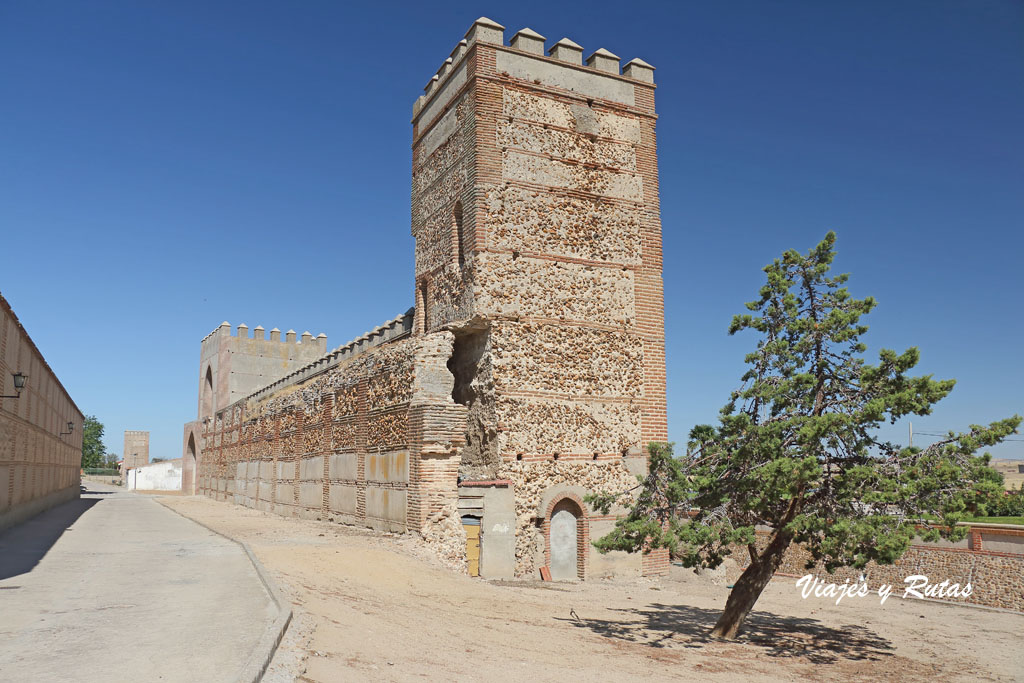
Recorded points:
(683, 626)
(24, 545)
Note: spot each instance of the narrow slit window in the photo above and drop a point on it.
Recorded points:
(424, 319)
(460, 250)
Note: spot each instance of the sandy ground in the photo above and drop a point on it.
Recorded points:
(375, 606)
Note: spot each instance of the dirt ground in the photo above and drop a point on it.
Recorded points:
(373, 606)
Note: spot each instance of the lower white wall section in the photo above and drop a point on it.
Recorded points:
(159, 476)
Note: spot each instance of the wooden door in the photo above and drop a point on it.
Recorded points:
(471, 525)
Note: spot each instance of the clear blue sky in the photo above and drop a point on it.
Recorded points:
(165, 166)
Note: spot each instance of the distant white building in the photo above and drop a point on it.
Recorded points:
(157, 476)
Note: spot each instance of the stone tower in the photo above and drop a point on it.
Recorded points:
(531, 370)
(233, 366)
(538, 244)
(136, 450)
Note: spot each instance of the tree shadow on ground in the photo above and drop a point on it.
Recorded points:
(662, 626)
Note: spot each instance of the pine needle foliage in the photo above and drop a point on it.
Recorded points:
(796, 449)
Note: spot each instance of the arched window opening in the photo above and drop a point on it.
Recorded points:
(207, 394)
(188, 469)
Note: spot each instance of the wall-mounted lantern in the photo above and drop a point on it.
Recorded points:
(19, 384)
(71, 428)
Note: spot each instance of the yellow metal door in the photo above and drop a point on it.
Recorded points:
(473, 547)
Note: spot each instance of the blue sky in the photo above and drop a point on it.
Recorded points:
(169, 165)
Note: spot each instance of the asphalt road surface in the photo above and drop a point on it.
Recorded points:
(116, 587)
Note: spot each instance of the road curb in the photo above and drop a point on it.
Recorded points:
(264, 651)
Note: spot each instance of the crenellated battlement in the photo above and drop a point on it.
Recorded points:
(235, 362)
(564, 52)
(259, 333)
(396, 328)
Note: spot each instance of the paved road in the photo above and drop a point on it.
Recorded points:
(116, 587)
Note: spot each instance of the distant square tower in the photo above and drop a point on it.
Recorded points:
(136, 449)
(232, 367)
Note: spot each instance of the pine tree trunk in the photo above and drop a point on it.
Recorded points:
(748, 589)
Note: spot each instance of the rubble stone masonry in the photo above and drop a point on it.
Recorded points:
(538, 244)
(371, 441)
(532, 365)
(531, 370)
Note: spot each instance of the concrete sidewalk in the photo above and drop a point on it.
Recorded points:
(116, 587)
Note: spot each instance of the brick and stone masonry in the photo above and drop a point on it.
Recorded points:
(538, 244)
(531, 369)
(40, 458)
(233, 366)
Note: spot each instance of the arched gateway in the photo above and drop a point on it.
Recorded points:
(566, 540)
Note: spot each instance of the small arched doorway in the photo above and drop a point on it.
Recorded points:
(564, 539)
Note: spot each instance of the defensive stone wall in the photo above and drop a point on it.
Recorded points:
(373, 440)
(40, 457)
(531, 369)
(233, 366)
(396, 328)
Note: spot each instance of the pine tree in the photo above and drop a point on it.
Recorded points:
(796, 449)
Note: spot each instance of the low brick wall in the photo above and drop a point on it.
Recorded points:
(996, 578)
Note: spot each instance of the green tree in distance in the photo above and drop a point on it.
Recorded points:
(93, 450)
(796, 450)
